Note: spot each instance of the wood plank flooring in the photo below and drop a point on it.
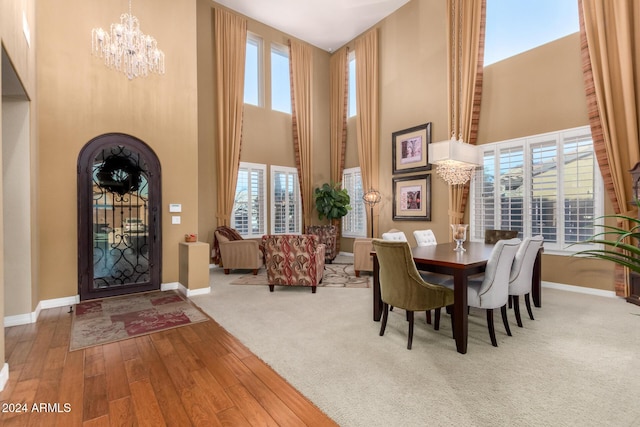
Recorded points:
(196, 375)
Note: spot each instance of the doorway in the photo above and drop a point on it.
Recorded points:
(119, 217)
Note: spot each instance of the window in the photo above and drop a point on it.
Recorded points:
(280, 82)
(516, 26)
(286, 205)
(352, 84)
(546, 184)
(354, 224)
(249, 207)
(253, 71)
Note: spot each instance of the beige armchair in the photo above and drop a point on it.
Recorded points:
(239, 254)
(362, 259)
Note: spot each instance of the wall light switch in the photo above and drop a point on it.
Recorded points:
(175, 219)
(175, 207)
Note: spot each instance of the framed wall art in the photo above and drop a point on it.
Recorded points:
(409, 149)
(412, 198)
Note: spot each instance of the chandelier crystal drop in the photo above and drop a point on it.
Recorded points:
(125, 48)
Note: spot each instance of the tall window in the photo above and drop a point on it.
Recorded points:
(354, 224)
(286, 203)
(249, 208)
(253, 71)
(280, 81)
(352, 84)
(545, 184)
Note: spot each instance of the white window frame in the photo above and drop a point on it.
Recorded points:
(281, 50)
(561, 247)
(354, 223)
(292, 177)
(261, 193)
(352, 108)
(256, 40)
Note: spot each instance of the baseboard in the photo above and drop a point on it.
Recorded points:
(193, 292)
(170, 286)
(26, 318)
(4, 376)
(350, 254)
(579, 289)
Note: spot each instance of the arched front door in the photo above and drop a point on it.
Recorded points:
(119, 217)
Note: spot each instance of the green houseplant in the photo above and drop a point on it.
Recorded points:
(332, 201)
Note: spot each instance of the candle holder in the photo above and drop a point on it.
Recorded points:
(459, 233)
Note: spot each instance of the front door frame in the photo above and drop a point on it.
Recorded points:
(85, 215)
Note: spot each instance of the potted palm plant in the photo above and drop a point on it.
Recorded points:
(619, 244)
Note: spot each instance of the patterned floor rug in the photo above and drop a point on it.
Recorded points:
(102, 321)
(335, 276)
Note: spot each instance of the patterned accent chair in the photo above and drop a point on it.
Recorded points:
(328, 235)
(293, 260)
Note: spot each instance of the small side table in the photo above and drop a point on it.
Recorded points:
(194, 265)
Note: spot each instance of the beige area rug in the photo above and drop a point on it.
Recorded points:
(335, 276)
(102, 321)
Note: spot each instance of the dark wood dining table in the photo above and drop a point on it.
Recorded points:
(441, 258)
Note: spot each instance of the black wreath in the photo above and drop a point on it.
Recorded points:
(119, 175)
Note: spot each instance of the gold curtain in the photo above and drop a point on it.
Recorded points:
(338, 82)
(610, 55)
(366, 50)
(230, 34)
(302, 121)
(465, 49)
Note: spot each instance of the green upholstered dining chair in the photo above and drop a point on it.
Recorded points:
(401, 285)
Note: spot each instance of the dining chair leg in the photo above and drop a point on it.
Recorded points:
(449, 309)
(410, 339)
(385, 314)
(503, 310)
(436, 323)
(492, 331)
(516, 309)
(428, 317)
(527, 301)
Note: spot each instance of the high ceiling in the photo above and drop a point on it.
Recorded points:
(327, 24)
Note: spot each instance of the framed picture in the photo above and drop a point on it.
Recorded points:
(412, 198)
(409, 147)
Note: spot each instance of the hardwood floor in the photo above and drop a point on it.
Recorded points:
(193, 375)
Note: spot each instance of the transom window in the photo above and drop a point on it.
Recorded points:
(280, 81)
(545, 184)
(253, 71)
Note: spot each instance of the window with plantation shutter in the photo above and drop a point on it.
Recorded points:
(286, 204)
(249, 208)
(354, 224)
(547, 184)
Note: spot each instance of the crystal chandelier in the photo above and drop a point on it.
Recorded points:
(455, 160)
(127, 49)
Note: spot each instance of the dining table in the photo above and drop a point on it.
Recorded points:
(442, 258)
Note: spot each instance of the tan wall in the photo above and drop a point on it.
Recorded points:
(22, 59)
(80, 99)
(266, 134)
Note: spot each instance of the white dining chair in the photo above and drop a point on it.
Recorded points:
(490, 290)
(522, 274)
(425, 237)
(394, 236)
